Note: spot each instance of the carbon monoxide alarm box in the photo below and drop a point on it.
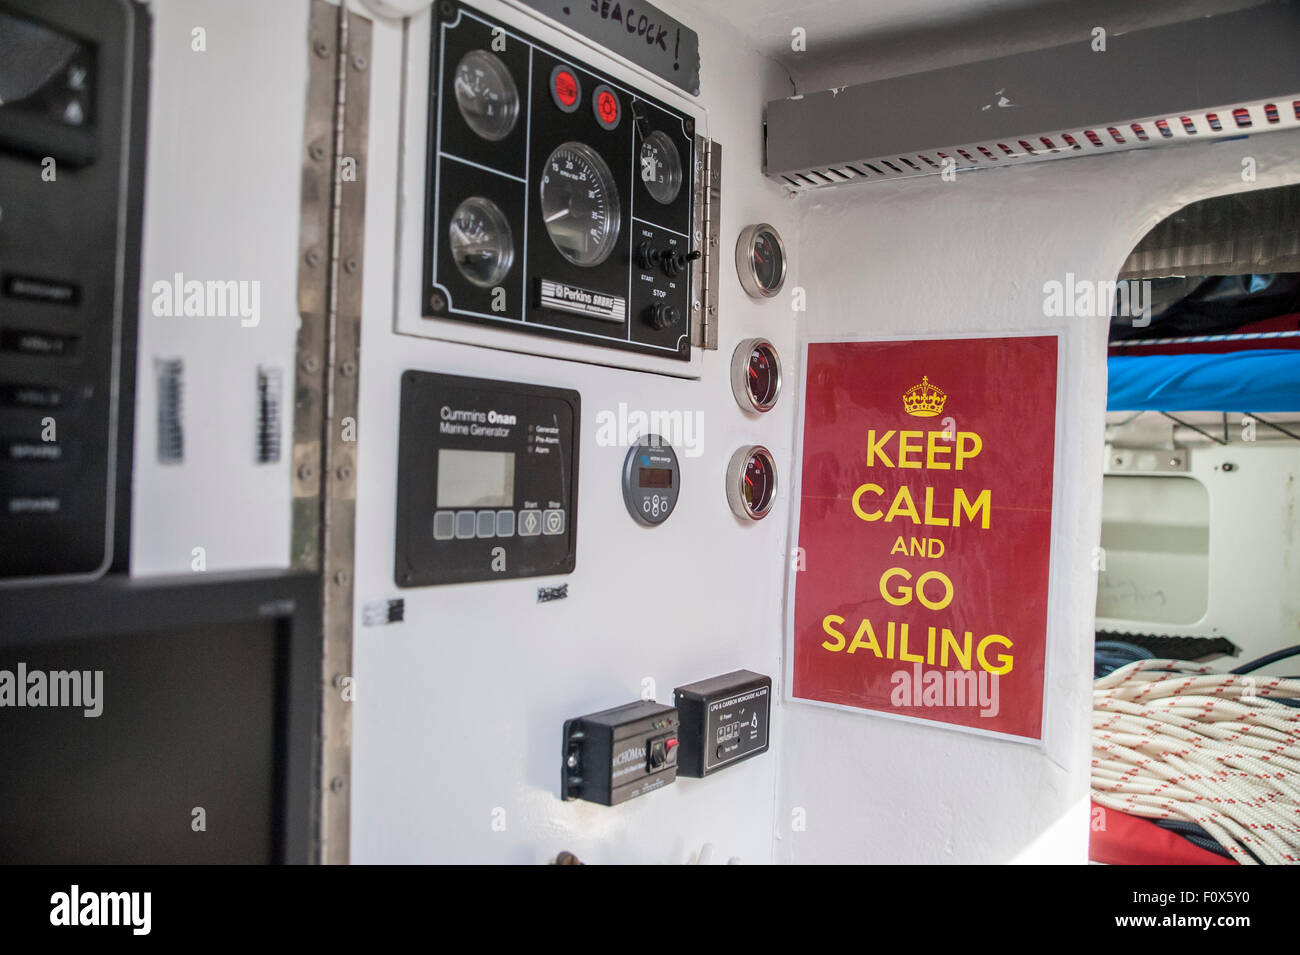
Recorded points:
(724, 720)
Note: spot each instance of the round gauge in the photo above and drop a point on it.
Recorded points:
(486, 94)
(651, 480)
(756, 374)
(482, 245)
(661, 167)
(751, 482)
(760, 260)
(580, 204)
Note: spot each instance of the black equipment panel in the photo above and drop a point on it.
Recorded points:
(73, 88)
(638, 297)
(487, 480)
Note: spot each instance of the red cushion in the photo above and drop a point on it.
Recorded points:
(1132, 840)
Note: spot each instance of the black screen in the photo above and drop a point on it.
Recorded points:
(189, 720)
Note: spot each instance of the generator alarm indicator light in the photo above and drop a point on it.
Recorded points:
(604, 103)
(565, 89)
(751, 482)
(756, 375)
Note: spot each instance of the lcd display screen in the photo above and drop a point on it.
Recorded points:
(476, 478)
(656, 477)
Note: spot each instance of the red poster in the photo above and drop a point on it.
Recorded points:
(925, 522)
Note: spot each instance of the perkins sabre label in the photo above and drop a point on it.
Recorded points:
(581, 301)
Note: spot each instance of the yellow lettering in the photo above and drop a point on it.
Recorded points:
(920, 590)
(902, 649)
(905, 448)
(929, 510)
(1005, 660)
(904, 595)
(876, 448)
(962, 454)
(869, 643)
(857, 499)
(839, 637)
(961, 651)
(903, 504)
(963, 505)
(936, 445)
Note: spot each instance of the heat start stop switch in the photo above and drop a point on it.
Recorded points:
(615, 755)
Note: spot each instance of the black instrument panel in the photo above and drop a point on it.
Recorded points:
(73, 98)
(559, 199)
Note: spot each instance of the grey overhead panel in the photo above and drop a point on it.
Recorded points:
(1230, 75)
(1238, 234)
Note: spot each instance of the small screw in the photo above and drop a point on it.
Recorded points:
(311, 365)
(338, 679)
(348, 368)
(313, 258)
(306, 472)
(572, 761)
(698, 236)
(340, 577)
(344, 472)
(437, 302)
(359, 62)
(1229, 466)
(337, 784)
(350, 265)
(321, 48)
(316, 152)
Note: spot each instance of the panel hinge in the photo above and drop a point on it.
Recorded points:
(708, 222)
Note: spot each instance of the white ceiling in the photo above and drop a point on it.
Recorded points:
(855, 41)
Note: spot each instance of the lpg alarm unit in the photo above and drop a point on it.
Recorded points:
(723, 721)
(487, 480)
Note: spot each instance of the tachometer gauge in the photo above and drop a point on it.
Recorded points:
(751, 483)
(580, 204)
(760, 260)
(482, 245)
(661, 167)
(756, 374)
(487, 95)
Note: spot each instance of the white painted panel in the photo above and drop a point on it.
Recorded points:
(221, 204)
(459, 709)
(972, 256)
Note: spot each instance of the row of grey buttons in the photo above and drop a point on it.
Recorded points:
(467, 525)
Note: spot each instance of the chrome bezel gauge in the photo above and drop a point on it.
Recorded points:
(737, 467)
(746, 248)
(742, 385)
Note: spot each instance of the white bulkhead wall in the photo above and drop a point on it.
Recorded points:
(457, 722)
(227, 98)
(931, 257)
(459, 709)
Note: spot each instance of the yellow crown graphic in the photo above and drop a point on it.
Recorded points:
(924, 400)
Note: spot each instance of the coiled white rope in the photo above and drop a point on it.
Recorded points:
(1175, 740)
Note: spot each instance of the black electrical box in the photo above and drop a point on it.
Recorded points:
(615, 755)
(724, 720)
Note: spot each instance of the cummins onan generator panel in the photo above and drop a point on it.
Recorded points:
(560, 199)
(487, 480)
